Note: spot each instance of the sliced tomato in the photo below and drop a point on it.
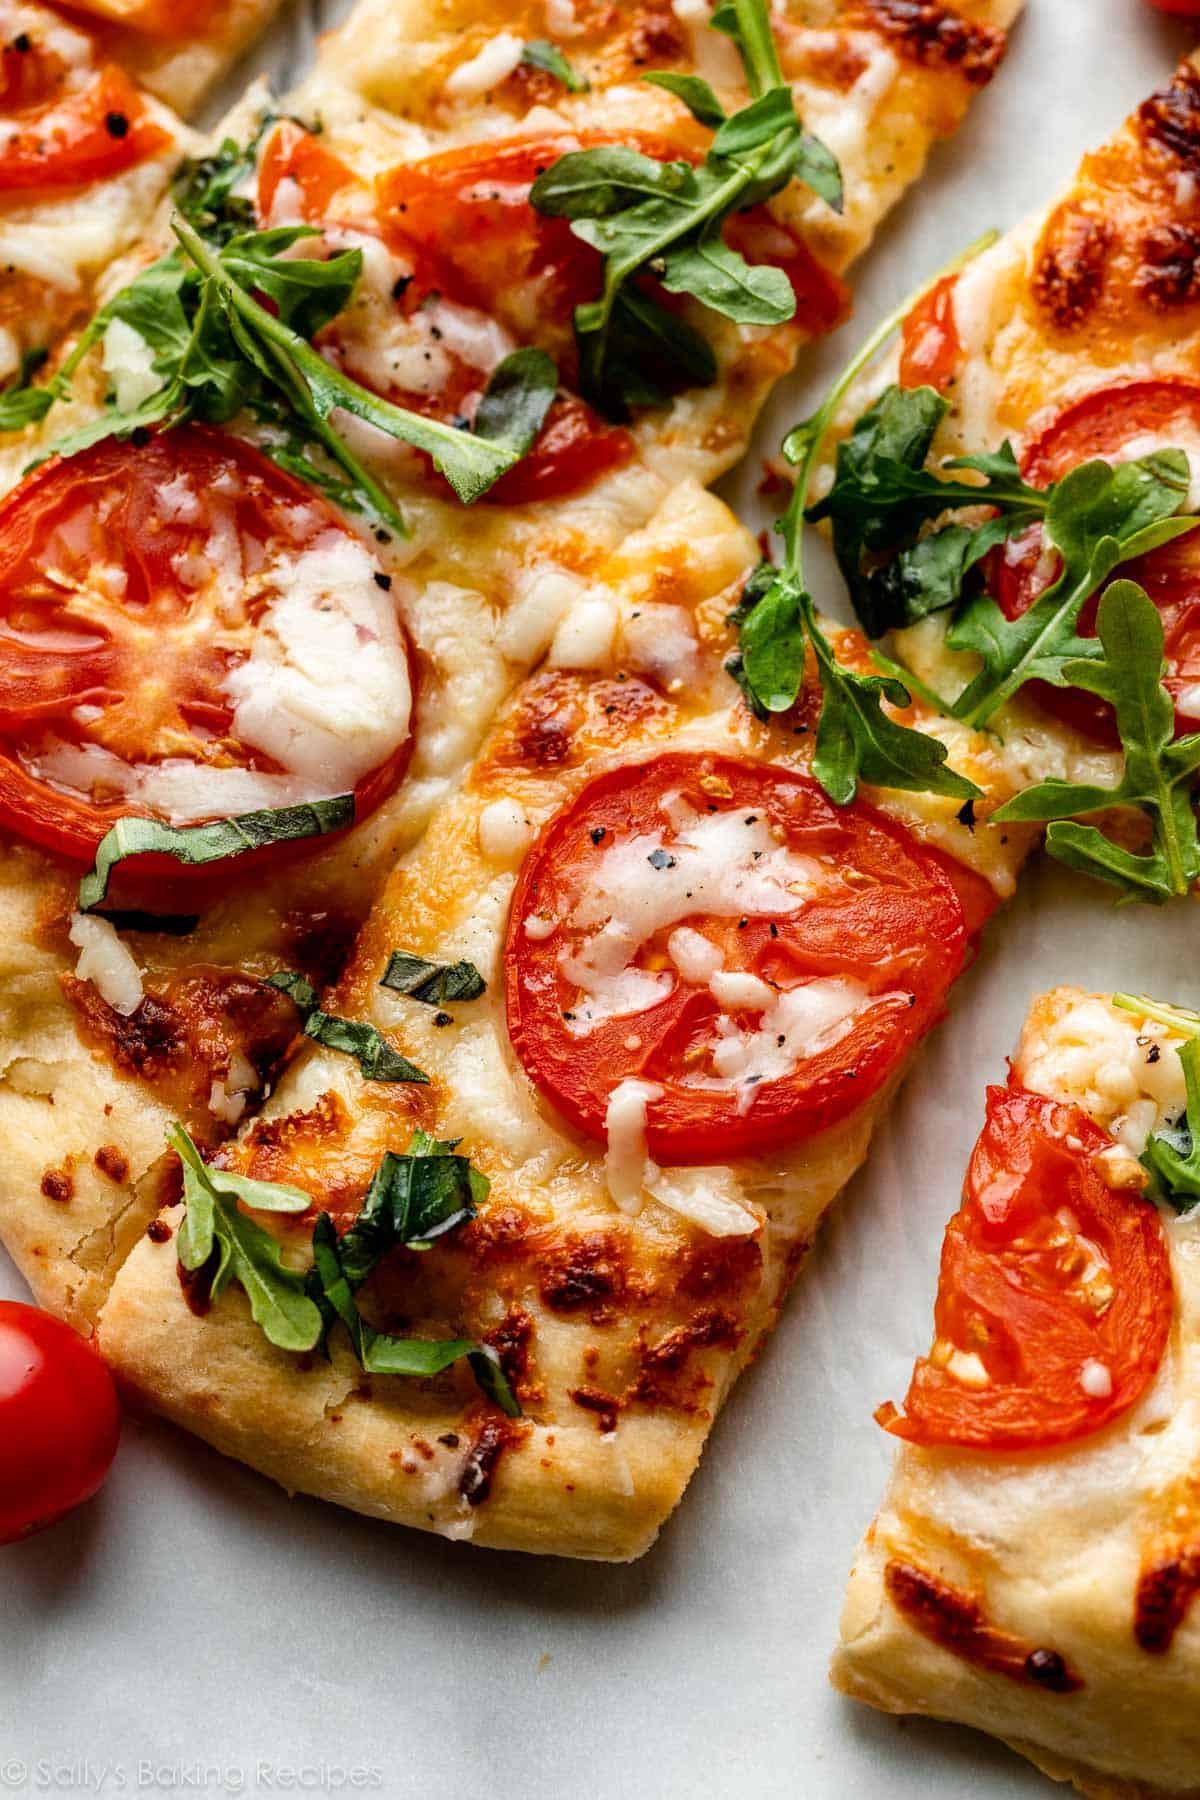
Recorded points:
(1182, 9)
(291, 153)
(1055, 1298)
(58, 135)
(1102, 424)
(931, 351)
(874, 912)
(160, 18)
(59, 1420)
(132, 581)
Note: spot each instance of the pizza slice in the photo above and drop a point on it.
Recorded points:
(1061, 364)
(659, 986)
(85, 158)
(545, 136)
(1033, 1565)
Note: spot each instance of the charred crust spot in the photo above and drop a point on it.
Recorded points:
(320, 943)
(1164, 1593)
(595, 1400)
(541, 732)
(1069, 277)
(1170, 118)
(149, 1042)
(59, 1184)
(112, 1162)
(512, 1340)
(495, 1436)
(197, 1285)
(665, 1377)
(956, 1620)
(1170, 271)
(497, 1235)
(730, 1266)
(585, 1270)
(936, 37)
(315, 1124)
(158, 1231)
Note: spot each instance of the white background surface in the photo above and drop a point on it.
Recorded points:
(195, 1622)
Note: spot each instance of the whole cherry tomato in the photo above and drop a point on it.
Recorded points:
(59, 1420)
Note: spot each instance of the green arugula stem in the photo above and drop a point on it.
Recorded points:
(763, 70)
(1175, 1018)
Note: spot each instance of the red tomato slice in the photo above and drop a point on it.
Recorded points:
(1101, 425)
(133, 580)
(64, 136)
(1049, 1279)
(293, 154)
(882, 915)
(1183, 9)
(59, 1420)
(931, 351)
(160, 18)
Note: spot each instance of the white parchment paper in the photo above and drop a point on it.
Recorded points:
(193, 1631)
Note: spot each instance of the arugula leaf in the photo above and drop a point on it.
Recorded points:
(882, 495)
(776, 620)
(21, 404)
(645, 216)
(368, 1046)
(1096, 517)
(1127, 670)
(437, 984)
(196, 845)
(214, 1226)
(514, 404)
(540, 53)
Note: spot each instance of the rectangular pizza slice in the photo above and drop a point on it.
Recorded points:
(656, 987)
(1033, 1565)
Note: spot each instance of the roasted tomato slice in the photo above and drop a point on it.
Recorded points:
(59, 1420)
(187, 633)
(1112, 423)
(1055, 1296)
(63, 127)
(931, 351)
(760, 959)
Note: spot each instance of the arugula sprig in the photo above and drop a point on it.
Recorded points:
(413, 1200)
(229, 316)
(856, 740)
(1173, 1153)
(1125, 666)
(665, 219)
(884, 497)
(353, 1037)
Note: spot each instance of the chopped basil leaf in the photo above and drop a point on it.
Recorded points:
(368, 1046)
(540, 53)
(196, 845)
(1127, 670)
(437, 984)
(412, 1200)
(645, 216)
(214, 1229)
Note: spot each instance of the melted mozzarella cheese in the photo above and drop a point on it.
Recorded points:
(129, 364)
(1120, 1068)
(796, 1024)
(584, 639)
(487, 68)
(106, 962)
(625, 1129)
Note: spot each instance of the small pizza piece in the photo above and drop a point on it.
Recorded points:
(85, 155)
(662, 987)
(1033, 1566)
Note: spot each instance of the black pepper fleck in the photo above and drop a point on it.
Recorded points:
(117, 125)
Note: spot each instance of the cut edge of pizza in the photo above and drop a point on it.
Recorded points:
(1033, 1565)
(177, 49)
